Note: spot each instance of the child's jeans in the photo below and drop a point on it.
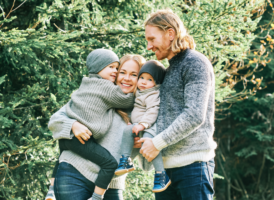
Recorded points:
(128, 142)
(96, 154)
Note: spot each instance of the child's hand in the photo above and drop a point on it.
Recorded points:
(81, 132)
(137, 128)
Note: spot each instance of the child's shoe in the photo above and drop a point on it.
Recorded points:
(50, 194)
(125, 166)
(161, 182)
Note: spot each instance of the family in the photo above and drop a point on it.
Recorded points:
(131, 108)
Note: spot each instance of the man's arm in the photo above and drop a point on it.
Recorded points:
(198, 86)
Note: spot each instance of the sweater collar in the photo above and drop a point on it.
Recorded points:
(139, 92)
(94, 76)
(178, 56)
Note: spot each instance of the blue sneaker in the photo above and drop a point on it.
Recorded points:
(125, 166)
(161, 182)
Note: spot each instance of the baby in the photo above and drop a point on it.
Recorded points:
(143, 117)
(93, 105)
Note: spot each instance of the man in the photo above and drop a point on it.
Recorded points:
(185, 123)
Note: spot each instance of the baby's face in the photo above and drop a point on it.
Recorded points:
(145, 81)
(109, 72)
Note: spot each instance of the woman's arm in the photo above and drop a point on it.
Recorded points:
(63, 127)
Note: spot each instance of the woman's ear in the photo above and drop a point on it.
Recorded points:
(171, 34)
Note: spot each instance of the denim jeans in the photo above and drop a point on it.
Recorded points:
(95, 153)
(70, 184)
(128, 142)
(191, 182)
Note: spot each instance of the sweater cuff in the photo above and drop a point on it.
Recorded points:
(159, 143)
(66, 132)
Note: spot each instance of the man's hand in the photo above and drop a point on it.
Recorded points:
(148, 149)
(137, 144)
(81, 132)
(137, 128)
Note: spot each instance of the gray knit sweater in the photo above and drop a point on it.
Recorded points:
(185, 121)
(60, 125)
(92, 104)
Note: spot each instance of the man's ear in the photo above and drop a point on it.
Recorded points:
(171, 34)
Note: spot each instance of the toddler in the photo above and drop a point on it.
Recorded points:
(143, 117)
(93, 105)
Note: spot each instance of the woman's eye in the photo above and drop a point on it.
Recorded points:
(150, 79)
(134, 74)
(122, 72)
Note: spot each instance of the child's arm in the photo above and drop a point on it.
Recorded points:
(63, 127)
(118, 99)
(152, 108)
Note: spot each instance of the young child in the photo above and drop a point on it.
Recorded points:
(143, 117)
(93, 105)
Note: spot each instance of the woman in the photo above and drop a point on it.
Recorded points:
(76, 176)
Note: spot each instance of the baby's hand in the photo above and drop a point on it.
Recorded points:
(137, 128)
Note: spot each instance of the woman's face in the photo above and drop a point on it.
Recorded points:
(128, 76)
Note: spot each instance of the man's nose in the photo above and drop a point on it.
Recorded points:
(149, 46)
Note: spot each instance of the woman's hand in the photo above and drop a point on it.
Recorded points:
(137, 143)
(81, 132)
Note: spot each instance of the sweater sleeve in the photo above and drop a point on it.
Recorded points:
(198, 85)
(152, 108)
(60, 124)
(118, 99)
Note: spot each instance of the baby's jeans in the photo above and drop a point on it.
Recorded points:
(128, 142)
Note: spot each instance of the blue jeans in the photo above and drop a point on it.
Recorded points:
(191, 182)
(70, 184)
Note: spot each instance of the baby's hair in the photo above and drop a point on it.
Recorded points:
(140, 60)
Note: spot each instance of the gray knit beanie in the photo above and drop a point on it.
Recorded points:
(155, 69)
(99, 59)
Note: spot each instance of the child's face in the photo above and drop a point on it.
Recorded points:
(145, 81)
(109, 72)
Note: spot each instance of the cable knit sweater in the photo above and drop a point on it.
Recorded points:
(185, 122)
(60, 125)
(92, 104)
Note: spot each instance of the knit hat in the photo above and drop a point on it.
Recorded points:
(155, 69)
(98, 59)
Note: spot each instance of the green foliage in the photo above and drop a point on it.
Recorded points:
(43, 46)
(245, 155)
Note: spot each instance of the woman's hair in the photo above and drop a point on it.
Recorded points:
(140, 60)
(166, 19)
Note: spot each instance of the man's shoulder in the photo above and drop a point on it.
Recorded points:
(195, 56)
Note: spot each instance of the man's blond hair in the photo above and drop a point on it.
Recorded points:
(166, 19)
